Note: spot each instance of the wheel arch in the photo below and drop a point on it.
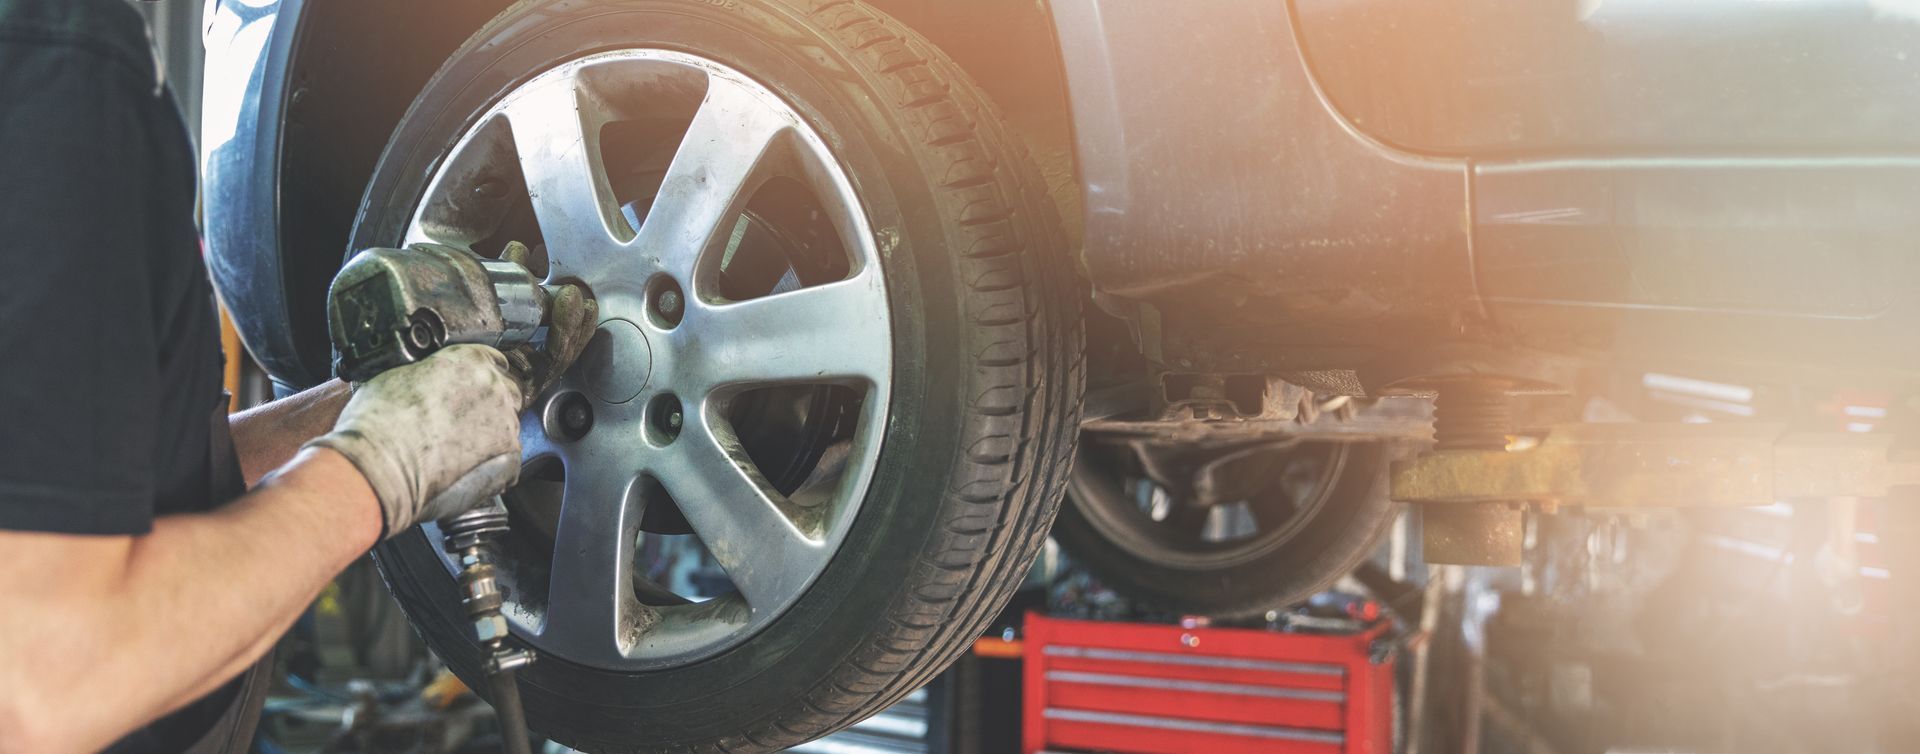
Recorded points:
(334, 77)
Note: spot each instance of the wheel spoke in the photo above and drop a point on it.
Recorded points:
(738, 515)
(828, 333)
(556, 132)
(590, 601)
(534, 442)
(711, 178)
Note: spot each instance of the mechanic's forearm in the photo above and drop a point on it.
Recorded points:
(324, 483)
(145, 624)
(266, 437)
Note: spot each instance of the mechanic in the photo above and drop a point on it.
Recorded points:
(152, 550)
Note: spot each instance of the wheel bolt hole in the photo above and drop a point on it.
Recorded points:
(664, 418)
(571, 418)
(666, 302)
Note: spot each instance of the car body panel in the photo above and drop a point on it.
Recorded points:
(1740, 266)
(1511, 78)
(1218, 183)
(1632, 197)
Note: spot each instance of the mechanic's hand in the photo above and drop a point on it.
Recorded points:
(433, 438)
(571, 324)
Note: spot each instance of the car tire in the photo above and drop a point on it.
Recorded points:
(986, 381)
(1102, 529)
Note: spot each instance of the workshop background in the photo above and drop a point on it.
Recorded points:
(1784, 628)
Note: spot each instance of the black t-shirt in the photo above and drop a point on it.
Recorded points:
(110, 361)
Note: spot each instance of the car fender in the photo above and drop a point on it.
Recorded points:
(243, 107)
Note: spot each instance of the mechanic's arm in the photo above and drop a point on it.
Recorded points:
(105, 633)
(266, 437)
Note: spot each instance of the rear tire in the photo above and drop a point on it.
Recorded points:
(1097, 530)
(986, 379)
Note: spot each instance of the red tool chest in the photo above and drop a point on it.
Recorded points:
(1154, 689)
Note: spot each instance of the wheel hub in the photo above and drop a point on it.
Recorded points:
(618, 362)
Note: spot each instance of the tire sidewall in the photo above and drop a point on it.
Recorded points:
(848, 603)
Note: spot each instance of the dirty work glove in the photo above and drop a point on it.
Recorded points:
(571, 323)
(433, 438)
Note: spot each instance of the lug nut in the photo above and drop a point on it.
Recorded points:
(664, 413)
(669, 303)
(572, 418)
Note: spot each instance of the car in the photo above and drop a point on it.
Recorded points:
(875, 274)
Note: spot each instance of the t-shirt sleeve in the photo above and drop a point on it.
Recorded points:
(78, 339)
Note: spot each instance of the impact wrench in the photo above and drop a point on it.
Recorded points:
(393, 307)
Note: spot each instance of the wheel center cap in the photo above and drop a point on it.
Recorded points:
(618, 362)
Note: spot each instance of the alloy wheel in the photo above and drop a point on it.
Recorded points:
(732, 402)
